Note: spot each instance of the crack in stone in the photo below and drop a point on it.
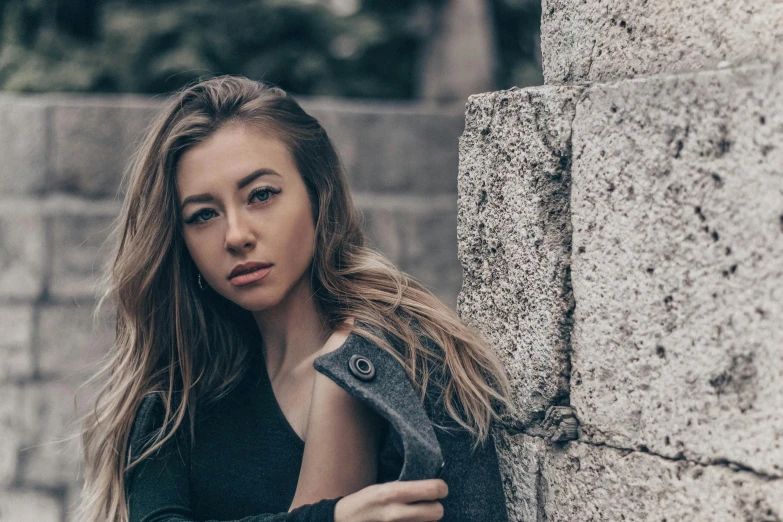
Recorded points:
(734, 466)
(725, 463)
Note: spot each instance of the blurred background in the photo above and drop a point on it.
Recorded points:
(350, 48)
(79, 82)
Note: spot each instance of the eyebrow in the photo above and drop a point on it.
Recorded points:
(242, 183)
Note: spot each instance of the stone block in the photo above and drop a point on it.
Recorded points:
(413, 233)
(80, 251)
(22, 253)
(393, 148)
(70, 342)
(595, 40)
(519, 458)
(50, 453)
(10, 433)
(514, 236)
(92, 142)
(23, 145)
(16, 353)
(677, 209)
(29, 506)
(581, 483)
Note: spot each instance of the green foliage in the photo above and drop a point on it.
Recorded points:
(354, 48)
(517, 26)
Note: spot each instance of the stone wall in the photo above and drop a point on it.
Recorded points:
(621, 236)
(61, 161)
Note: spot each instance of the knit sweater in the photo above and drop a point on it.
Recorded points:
(244, 466)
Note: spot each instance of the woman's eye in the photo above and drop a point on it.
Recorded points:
(262, 195)
(201, 216)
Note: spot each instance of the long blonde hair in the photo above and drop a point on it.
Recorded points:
(191, 346)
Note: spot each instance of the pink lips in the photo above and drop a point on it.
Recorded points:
(249, 272)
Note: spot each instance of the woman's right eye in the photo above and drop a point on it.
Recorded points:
(201, 216)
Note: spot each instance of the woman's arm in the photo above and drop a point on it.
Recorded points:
(342, 445)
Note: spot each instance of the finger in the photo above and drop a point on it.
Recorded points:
(407, 491)
(419, 512)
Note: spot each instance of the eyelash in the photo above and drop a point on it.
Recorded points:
(269, 190)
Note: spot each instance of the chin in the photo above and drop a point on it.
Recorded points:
(255, 301)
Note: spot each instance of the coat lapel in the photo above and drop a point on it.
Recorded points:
(371, 374)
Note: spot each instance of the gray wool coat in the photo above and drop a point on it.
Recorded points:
(415, 447)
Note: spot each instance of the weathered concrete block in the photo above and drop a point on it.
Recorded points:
(16, 356)
(22, 145)
(393, 147)
(596, 40)
(10, 433)
(580, 482)
(70, 342)
(586, 483)
(520, 458)
(49, 454)
(80, 250)
(29, 506)
(677, 208)
(514, 236)
(411, 232)
(94, 139)
(22, 252)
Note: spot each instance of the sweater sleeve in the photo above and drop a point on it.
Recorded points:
(157, 488)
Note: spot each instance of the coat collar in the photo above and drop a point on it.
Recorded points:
(370, 373)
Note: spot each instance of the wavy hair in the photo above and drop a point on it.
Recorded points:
(191, 346)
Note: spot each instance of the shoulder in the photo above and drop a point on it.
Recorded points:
(147, 419)
(147, 423)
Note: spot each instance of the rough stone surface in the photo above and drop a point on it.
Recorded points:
(600, 40)
(80, 251)
(23, 146)
(22, 254)
(579, 482)
(587, 483)
(514, 236)
(16, 357)
(50, 449)
(414, 235)
(10, 433)
(93, 141)
(71, 343)
(677, 206)
(395, 147)
(520, 458)
(29, 506)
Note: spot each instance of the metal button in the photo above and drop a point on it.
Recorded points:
(440, 471)
(361, 367)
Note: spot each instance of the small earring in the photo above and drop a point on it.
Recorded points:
(200, 282)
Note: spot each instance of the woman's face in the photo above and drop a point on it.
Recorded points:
(243, 206)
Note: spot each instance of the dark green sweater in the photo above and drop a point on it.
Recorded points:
(244, 465)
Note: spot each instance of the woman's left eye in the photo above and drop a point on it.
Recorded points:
(262, 195)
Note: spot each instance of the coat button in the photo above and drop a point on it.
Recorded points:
(361, 367)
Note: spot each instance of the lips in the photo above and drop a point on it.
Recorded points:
(246, 268)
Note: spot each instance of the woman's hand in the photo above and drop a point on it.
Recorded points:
(397, 501)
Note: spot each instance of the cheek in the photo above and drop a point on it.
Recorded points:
(300, 243)
(199, 249)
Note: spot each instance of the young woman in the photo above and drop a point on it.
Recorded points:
(268, 365)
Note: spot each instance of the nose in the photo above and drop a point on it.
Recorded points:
(239, 234)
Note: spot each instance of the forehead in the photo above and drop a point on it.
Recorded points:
(230, 153)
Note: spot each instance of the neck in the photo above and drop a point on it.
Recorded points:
(291, 331)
